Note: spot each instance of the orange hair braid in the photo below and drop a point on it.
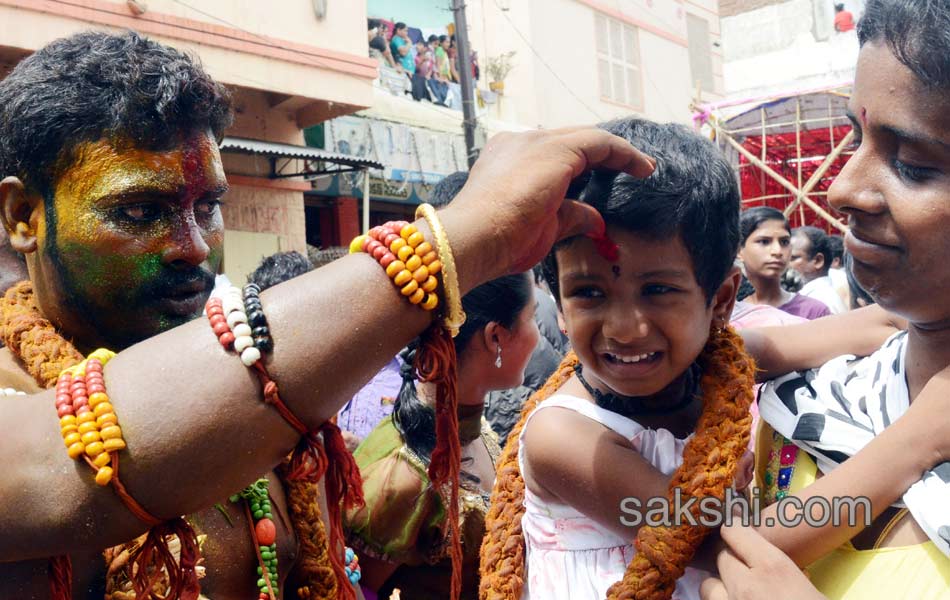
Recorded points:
(710, 460)
(317, 577)
(32, 338)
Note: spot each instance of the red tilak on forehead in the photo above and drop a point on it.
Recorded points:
(604, 245)
(864, 117)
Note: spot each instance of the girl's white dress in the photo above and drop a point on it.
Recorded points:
(569, 556)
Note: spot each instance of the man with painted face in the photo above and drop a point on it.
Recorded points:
(116, 206)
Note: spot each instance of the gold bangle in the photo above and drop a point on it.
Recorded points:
(454, 315)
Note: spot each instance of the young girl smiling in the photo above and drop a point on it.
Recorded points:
(645, 309)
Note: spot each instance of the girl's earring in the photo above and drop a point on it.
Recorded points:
(498, 357)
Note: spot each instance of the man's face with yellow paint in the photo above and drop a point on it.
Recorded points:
(129, 240)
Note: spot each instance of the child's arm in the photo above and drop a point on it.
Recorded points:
(882, 471)
(589, 467)
(780, 350)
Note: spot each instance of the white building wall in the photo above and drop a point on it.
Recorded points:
(784, 47)
(559, 36)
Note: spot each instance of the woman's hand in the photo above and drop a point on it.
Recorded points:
(751, 568)
(512, 210)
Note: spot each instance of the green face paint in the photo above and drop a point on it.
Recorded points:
(135, 238)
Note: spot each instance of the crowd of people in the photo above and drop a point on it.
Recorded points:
(577, 287)
(427, 67)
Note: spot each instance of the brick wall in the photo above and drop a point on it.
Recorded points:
(728, 8)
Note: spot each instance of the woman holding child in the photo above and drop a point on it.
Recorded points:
(873, 426)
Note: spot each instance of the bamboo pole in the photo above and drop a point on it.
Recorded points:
(820, 172)
(798, 155)
(786, 184)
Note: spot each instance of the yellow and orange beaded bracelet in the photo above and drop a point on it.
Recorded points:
(87, 419)
(90, 427)
(410, 261)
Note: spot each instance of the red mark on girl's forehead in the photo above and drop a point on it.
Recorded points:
(604, 245)
(864, 117)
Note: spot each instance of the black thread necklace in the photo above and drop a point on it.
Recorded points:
(635, 405)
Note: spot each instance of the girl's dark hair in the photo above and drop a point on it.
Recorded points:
(917, 31)
(500, 301)
(751, 218)
(693, 194)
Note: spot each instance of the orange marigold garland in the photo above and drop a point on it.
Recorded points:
(710, 460)
(32, 338)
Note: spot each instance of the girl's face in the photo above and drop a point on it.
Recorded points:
(516, 348)
(896, 188)
(766, 252)
(636, 324)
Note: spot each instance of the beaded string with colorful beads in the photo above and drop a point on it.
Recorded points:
(264, 533)
(353, 571)
(238, 321)
(87, 419)
(410, 261)
(256, 319)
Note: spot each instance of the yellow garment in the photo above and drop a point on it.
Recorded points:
(918, 572)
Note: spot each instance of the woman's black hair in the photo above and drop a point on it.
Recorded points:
(693, 194)
(745, 289)
(751, 218)
(500, 301)
(917, 31)
(278, 268)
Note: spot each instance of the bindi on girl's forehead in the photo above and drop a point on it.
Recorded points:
(615, 269)
(864, 116)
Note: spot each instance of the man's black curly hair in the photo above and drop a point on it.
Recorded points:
(96, 85)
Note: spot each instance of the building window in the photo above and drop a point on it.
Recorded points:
(618, 61)
(700, 52)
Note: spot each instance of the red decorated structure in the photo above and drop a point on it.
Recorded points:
(787, 150)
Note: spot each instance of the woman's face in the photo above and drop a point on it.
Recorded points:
(895, 189)
(516, 350)
(766, 252)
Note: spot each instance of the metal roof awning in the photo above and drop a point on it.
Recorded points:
(308, 161)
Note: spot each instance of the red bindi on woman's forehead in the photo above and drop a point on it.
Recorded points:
(864, 116)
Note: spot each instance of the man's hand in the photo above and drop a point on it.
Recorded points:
(753, 569)
(512, 210)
